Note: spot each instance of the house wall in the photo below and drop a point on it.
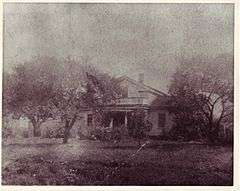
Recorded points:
(132, 89)
(152, 100)
(153, 118)
(81, 126)
(18, 127)
(135, 91)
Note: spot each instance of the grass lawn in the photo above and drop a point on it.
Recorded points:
(84, 162)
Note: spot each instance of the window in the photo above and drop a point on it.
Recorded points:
(89, 119)
(161, 119)
(125, 92)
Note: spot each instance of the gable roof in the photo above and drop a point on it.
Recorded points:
(148, 88)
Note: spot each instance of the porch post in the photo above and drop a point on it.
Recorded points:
(125, 119)
(111, 123)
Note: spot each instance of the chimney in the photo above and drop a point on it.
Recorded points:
(141, 78)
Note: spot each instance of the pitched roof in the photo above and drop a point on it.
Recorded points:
(150, 89)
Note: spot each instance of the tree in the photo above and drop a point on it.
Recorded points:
(202, 98)
(27, 91)
(183, 107)
(80, 86)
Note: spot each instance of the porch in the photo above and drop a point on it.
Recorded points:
(113, 119)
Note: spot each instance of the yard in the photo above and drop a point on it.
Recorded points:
(85, 162)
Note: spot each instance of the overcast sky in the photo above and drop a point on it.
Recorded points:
(124, 39)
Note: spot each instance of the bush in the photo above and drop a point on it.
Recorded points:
(139, 126)
(106, 134)
(186, 133)
(25, 134)
(55, 133)
(226, 138)
(7, 132)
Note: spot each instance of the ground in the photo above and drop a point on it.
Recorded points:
(84, 162)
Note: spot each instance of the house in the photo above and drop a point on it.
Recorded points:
(136, 95)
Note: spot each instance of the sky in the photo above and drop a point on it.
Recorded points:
(121, 39)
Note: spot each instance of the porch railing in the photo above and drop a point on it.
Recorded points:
(130, 100)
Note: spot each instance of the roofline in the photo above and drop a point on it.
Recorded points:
(121, 78)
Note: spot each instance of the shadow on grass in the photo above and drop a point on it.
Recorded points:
(38, 145)
(41, 171)
(121, 147)
(157, 147)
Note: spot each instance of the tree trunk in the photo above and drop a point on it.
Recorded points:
(139, 143)
(213, 134)
(68, 125)
(66, 135)
(36, 129)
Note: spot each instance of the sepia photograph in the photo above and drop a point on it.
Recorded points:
(118, 94)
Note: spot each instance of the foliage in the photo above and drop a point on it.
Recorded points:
(106, 134)
(79, 87)
(139, 125)
(7, 132)
(201, 100)
(28, 89)
(56, 132)
(47, 87)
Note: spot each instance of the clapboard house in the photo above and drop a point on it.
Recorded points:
(137, 95)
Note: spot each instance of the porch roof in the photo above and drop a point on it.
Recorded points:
(125, 108)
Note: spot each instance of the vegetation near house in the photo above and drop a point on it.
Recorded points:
(202, 102)
(47, 88)
(201, 99)
(139, 126)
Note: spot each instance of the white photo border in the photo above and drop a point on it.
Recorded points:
(236, 177)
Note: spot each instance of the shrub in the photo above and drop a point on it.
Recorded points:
(25, 134)
(139, 125)
(7, 132)
(186, 133)
(225, 138)
(55, 133)
(106, 134)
